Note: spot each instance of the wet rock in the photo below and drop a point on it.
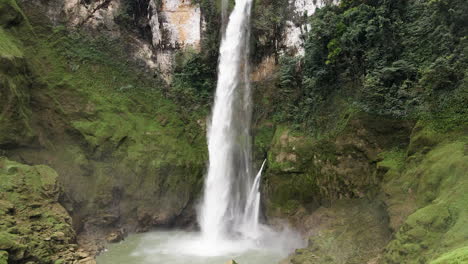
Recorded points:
(115, 236)
(88, 260)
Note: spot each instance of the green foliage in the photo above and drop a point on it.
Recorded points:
(3, 257)
(8, 47)
(289, 81)
(393, 159)
(194, 80)
(404, 59)
(268, 21)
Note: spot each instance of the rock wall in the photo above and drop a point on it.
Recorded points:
(34, 227)
(81, 107)
(174, 24)
(296, 25)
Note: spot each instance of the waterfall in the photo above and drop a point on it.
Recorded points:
(231, 196)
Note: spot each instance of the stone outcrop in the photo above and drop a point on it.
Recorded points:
(33, 225)
(296, 25)
(172, 24)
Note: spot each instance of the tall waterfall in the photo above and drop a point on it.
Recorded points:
(231, 198)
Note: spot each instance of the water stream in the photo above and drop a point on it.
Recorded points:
(229, 212)
(229, 179)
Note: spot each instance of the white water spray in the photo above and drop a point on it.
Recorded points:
(231, 200)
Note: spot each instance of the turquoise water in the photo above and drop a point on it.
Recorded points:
(180, 247)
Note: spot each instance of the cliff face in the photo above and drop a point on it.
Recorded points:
(356, 132)
(127, 158)
(154, 30)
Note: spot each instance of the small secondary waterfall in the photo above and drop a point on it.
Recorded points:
(231, 197)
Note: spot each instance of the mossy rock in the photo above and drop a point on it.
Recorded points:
(348, 231)
(423, 139)
(436, 186)
(10, 13)
(457, 256)
(36, 217)
(8, 241)
(14, 90)
(105, 126)
(3, 257)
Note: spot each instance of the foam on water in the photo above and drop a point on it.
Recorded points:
(179, 247)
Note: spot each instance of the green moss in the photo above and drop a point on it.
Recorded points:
(457, 256)
(392, 160)
(123, 139)
(8, 46)
(348, 231)
(32, 213)
(14, 80)
(10, 13)
(438, 182)
(8, 241)
(263, 136)
(3, 257)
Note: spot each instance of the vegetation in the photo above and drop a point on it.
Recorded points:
(34, 226)
(112, 132)
(404, 59)
(368, 127)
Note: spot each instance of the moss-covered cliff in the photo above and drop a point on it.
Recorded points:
(127, 157)
(368, 133)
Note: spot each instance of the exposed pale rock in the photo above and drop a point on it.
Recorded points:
(98, 14)
(182, 22)
(264, 70)
(293, 39)
(176, 24)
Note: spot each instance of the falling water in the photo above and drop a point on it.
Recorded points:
(231, 198)
(229, 212)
